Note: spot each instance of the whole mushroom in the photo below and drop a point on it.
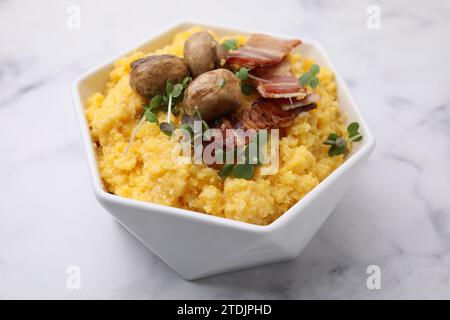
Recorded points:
(202, 53)
(213, 94)
(148, 75)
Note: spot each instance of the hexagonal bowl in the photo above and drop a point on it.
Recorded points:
(195, 244)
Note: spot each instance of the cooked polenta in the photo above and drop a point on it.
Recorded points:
(144, 170)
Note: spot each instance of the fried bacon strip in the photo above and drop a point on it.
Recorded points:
(277, 82)
(268, 114)
(261, 51)
(264, 114)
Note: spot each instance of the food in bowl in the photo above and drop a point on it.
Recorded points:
(236, 82)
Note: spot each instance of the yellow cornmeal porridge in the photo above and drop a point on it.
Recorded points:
(147, 172)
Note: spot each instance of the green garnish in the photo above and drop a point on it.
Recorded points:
(165, 100)
(167, 128)
(339, 144)
(353, 132)
(244, 171)
(246, 89)
(315, 69)
(242, 74)
(173, 95)
(177, 90)
(187, 127)
(150, 116)
(169, 87)
(226, 170)
(310, 77)
(314, 82)
(185, 82)
(230, 44)
(156, 102)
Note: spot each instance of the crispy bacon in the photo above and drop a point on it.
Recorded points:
(277, 82)
(261, 51)
(268, 114)
(264, 114)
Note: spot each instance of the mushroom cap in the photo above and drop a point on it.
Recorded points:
(148, 75)
(213, 94)
(202, 53)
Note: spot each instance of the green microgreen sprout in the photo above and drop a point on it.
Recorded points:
(227, 169)
(310, 78)
(167, 128)
(246, 89)
(338, 145)
(243, 75)
(185, 82)
(353, 132)
(177, 90)
(173, 95)
(244, 171)
(230, 44)
(150, 116)
(247, 169)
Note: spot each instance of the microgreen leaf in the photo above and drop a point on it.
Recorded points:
(331, 140)
(230, 44)
(310, 77)
(242, 74)
(188, 128)
(226, 170)
(314, 70)
(204, 125)
(150, 116)
(246, 89)
(333, 136)
(169, 87)
(156, 102)
(304, 79)
(332, 151)
(167, 128)
(177, 90)
(357, 138)
(339, 145)
(185, 82)
(197, 116)
(244, 171)
(314, 82)
(353, 127)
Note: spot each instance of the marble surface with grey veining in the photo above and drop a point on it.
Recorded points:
(396, 215)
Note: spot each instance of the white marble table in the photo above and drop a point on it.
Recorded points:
(396, 215)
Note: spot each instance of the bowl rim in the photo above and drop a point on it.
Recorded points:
(102, 195)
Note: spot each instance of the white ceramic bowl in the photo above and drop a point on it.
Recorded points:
(195, 244)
